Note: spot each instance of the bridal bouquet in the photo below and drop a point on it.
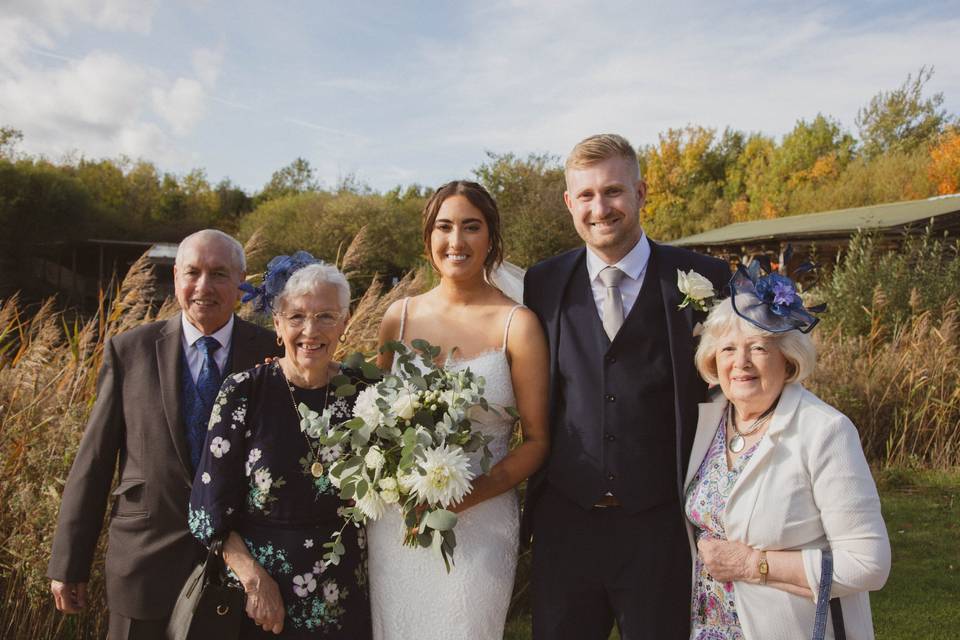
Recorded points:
(406, 445)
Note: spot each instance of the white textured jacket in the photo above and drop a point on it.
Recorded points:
(807, 487)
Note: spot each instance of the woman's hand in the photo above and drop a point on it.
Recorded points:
(264, 604)
(729, 561)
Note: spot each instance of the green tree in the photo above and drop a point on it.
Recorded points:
(296, 177)
(902, 119)
(529, 195)
(9, 139)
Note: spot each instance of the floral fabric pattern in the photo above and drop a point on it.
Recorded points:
(255, 478)
(713, 612)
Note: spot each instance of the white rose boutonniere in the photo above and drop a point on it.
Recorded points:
(697, 289)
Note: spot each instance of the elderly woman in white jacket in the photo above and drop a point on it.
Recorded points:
(776, 478)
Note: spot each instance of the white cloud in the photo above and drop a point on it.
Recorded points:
(64, 15)
(206, 64)
(101, 103)
(182, 105)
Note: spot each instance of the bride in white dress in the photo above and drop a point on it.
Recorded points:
(411, 594)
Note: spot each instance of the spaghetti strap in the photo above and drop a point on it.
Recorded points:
(403, 318)
(506, 329)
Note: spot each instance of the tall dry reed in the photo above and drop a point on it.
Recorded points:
(48, 374)
(900, 386)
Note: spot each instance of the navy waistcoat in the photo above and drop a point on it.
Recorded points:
(615, 430)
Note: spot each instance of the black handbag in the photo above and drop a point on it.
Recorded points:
(823, 597)
(210, 604)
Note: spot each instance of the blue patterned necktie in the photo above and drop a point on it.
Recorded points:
(208, 385)
(208, 382)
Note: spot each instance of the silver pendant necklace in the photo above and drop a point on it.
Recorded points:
(738, 441)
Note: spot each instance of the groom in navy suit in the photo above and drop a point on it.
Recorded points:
(605, 511)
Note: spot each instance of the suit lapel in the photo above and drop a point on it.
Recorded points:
(241, 347)
(679, 335)
(169, 351)
(553, 300)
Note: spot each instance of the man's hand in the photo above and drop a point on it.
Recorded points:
(70, 597)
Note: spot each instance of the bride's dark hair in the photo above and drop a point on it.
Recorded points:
(482, 200)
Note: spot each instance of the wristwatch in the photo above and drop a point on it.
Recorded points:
(763, 567)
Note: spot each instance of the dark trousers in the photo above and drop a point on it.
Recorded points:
(124, 628)
(592, 568)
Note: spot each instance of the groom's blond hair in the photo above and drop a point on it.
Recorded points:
(598, 148)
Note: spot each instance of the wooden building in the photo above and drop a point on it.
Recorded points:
(827, 233)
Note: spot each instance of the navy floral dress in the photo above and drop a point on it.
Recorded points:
(255, 478)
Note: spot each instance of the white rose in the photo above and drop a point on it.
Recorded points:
(390, 496)
(374, 458)
(694, 285)
(403, 406)
(388, 484)
(405, 482)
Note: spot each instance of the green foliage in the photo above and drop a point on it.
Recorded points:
(9, 138)
(902, 119)
(296, 177)
(325, 223)
(891, 286)
(529, 194)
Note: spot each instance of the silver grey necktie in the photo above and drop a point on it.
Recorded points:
(612, 301)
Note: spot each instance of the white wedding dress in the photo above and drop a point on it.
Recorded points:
(412, 597)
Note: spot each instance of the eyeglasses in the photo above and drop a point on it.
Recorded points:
(298, 319)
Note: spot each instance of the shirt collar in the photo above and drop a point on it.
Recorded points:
(222, 335)
(633, 264)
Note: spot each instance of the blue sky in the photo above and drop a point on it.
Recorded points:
(418, 92)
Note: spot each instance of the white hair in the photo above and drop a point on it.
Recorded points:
(306, 280)
(237, 256)
(796, 347)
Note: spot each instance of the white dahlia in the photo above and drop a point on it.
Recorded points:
(447, 477)
(371, 504)
(365, 407)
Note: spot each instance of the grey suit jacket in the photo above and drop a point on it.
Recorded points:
(136, 427)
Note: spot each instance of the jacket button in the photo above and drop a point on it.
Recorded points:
(610, 476)
(610, 359)
(610, 437)
(610, 397)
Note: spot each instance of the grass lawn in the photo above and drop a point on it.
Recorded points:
(922, 598)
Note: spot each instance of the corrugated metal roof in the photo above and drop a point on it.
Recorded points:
(828, 223)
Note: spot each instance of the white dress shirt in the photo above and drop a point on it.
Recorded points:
(189, 338)
(634, 265)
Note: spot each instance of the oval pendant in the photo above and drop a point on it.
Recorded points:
(316, 469)
(736, 444)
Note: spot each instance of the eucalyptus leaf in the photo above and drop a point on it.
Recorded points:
(346, 390)
(370, 371)
(441, 520)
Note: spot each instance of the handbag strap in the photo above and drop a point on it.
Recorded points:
(824, 600)
(215, 569)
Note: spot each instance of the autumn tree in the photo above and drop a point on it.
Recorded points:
(945, 163)
(902, 119)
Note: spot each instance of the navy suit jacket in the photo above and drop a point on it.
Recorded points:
(544, 287)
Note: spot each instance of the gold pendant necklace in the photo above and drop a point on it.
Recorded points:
(316, 468)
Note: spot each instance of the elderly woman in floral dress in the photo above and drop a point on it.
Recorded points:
(776, 478)
(262, 484)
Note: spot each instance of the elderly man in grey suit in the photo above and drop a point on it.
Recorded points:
(154, 394)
